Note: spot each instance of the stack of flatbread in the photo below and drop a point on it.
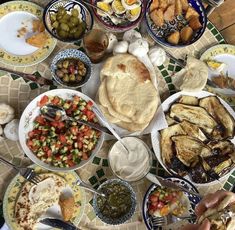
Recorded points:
(126, 96)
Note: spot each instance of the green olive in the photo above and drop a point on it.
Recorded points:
(63, 34)
(72, 77)
(53, 17)
(59, 17)
(66, 78)
(78, 33)
(74, 12)
(55, 24)
(65, 64)
(61, 11)
(72, 31)
(64, 26)
(74, 20)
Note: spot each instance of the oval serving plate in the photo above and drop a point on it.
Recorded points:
(155, 136)
(26, 125)
(223, 53)
(192, 201)
(14, 188)
(14, 50)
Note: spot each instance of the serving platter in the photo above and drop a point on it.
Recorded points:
(155, 135)
(192, 202)
(14, 189)
(33, 110)
(226, 54)
(13, 49)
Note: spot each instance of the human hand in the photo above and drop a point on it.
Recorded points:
(209, 201)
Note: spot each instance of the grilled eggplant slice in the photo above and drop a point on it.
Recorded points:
(194, 114)
(193, 130)
(169, 120)
(214, 107)
(189, 148)
(188, 100)
(166, 142)
(222, 147)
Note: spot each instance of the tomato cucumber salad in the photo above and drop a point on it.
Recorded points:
(64, 143)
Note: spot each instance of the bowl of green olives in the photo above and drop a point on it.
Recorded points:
(67, 20)
(71, 68)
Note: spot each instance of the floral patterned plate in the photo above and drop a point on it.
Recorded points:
(13, 48)
(14, 188)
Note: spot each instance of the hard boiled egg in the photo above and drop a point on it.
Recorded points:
(133, 14)
(118, 7)
(105, 7)
(131, 4)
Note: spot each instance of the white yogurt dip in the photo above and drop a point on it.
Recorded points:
(130, 166)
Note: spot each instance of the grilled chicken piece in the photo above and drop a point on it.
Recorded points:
(189, 100)
(189, 148)
(214, 107)
(193, 130)
(194, 114)
(157, 17)
(166, 142)
(169, 14)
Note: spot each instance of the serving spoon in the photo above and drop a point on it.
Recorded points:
(50, 111)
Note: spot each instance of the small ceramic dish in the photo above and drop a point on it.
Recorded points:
(122, 219)
(84, 15)
(75, 54)
(122, 27)
(159, 34)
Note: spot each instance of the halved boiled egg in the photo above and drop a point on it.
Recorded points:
(105, 7)
(118, 7)
(107, 1)
(133, 14)
(131, 4)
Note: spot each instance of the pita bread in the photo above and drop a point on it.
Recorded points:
(126, 96)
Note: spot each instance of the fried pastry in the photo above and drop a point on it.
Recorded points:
(191, 13)
(186, 34)
(154, 5)
(38, 40)
(194, 23)
(174, 38)
(178, 7)
(157, 17)
(169, 14)
(185, 4)
(67, 205)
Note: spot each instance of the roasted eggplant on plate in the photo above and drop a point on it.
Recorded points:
(197, 141)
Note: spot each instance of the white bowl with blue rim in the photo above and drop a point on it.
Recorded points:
(76, 54)
(123, 218)
(85, 15)
(160, 34)
(193, 200)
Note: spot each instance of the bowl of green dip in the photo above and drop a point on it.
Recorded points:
(119, 203)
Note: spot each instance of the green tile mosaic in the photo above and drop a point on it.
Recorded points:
(209, 26)
(103, 180)
(154, 163)
(223, 42)
(105, 163)
(14, 77)
(96, 186)
(33, 85)
(2, 73)
(170, 67)
(171, 87)
(227, 186)
(53, 87)
(153, 170)
(177, 68)
(172, 61)
(219, 37)
(100, 173)
(164, 73)
(233, 174)
(96, 160)
(93, 180)
(161, 172)
(214, 31)
(168, 79)
(231, 180)
(161, 67)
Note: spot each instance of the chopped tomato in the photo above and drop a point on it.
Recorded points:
(84, 156)
(45, 148)
(61, 125)
(89, 104)
(29, 143)
(40, 119)
(43, 101)
(49, 153)
(90, 115)
(76, 98)
(80, 145)
(160, 204)
(74, 130)
(42, 138)
(34, 133)
(70, 163)
(55, 100)
(153, 198)
(62, 138)
(70, 156)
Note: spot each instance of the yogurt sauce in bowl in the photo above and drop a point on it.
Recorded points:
(131, 166)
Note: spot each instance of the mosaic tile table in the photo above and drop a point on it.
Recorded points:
(18, 93)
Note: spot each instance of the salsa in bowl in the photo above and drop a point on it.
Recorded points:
(56, 144)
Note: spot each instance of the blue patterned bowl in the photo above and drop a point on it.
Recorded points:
(193, 200)
(109, 25)
(71, 53)
(124, 218)
(85, 15)
(159, 34)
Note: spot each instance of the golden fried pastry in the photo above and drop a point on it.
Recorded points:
(190, 13)
(157, 17)
(178, 7)
(194, 23)
(38, 26)
(185, 4)
(163, 4)
(38, 40)
(154, 5)
(174, 38)
(67, 205)
(169, 14)
(186, 34)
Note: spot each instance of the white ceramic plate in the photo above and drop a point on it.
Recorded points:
(222, 53)
(14, 50)
(155, 135)
(26, 125)
(14, 189)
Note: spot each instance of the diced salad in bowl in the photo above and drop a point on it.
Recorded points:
(60, 144)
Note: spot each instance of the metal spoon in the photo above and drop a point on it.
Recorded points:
(50, 111)
(113, 18)
(102, 118)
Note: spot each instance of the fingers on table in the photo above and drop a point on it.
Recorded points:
(211, 200)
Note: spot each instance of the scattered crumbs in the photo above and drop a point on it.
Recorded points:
(22, 32)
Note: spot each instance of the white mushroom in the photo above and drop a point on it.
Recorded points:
(11, 130)
(139, 48)
(112, 42)
(7, 113)
(157, 56)
(131, 35)
(120, 48)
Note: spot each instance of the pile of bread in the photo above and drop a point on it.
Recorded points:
(163, 11)
(126, 96)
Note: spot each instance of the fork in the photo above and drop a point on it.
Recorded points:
(170, 219)
(28, 173)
